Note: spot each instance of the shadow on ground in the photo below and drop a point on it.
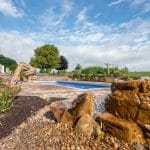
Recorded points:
(23, 107)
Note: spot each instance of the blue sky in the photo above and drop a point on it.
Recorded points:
(89, 32)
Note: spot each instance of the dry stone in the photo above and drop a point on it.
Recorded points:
(83, 105)
(123, 104)
(87, 125)
(121, 128)
(127, 86)
(129, 101)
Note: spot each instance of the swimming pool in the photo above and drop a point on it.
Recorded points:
(78, 85)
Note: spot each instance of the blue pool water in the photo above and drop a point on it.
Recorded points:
(79, 85)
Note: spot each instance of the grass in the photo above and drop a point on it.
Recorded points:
(7, 94)
(138, 74)
(5, 101)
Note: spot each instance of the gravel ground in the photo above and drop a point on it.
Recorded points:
(41, 133)
(23, 107)
(38, 131)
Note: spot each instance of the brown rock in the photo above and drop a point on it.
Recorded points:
(145, 101)
(121, 128)
(128, 86)
(87, 125)
(143, 117)
(83, 105)
(57, 111)
(146, 130)
(123, 104)
(144, 86)
(66, 117)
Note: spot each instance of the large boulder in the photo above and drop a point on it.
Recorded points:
(137, 86)
(143, 119)
(87, 125)
(145, 101)
(61, 114)
(121, 128)
(123, 104)
(144, 86)
(131, 101)
(127, 86)
(84, 104)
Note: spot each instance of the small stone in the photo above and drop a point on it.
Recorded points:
(139, 147)
(116, 146)
(72, 147)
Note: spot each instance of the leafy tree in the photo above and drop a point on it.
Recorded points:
(46, 57)
(78, 67)
(63, 63)
(8, 63)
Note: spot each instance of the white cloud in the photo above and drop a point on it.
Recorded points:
(16, 46)
(97, 15)
(128, 45)
(146, 8)
(82, 15)
(7, 7)
(51, 17)
(88, 44)
(116, 2)
(137, 2)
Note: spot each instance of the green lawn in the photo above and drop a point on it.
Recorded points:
(138, 74)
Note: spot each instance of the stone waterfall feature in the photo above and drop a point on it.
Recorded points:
(127, 113)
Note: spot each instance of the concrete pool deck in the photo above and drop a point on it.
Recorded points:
(61, 93)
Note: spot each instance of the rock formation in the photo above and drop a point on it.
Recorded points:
(127, 113)
(80, 115)
(29, 70)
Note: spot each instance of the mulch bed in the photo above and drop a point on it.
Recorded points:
(23, 107)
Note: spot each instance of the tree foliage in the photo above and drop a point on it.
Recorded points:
(63, 63)
(46, 57)
(94, 70)
(78, 67)
(8, 62)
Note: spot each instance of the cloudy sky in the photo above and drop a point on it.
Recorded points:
(89, 32)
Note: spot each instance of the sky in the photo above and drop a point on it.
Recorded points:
(86, 32)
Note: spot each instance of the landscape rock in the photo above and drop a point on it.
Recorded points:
(129, 101)
(145, 100)
(57, 111)
(87, 125)
(129, 86)
(66, 117)
(143, 117)
(144, 86)
(121, 128)
(123, 104)
(83, 105)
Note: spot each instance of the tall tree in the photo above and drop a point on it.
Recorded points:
(63, 63)
(46, 57)
(8, 62)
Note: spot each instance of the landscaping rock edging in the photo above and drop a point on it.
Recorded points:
(80, 116)
(129, 102)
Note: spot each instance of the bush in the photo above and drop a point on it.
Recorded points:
(21, 75)
(5, 101)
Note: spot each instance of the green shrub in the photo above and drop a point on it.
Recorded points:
(21, 75)
(5, 101)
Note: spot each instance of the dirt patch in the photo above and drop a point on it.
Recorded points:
(23, 107)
